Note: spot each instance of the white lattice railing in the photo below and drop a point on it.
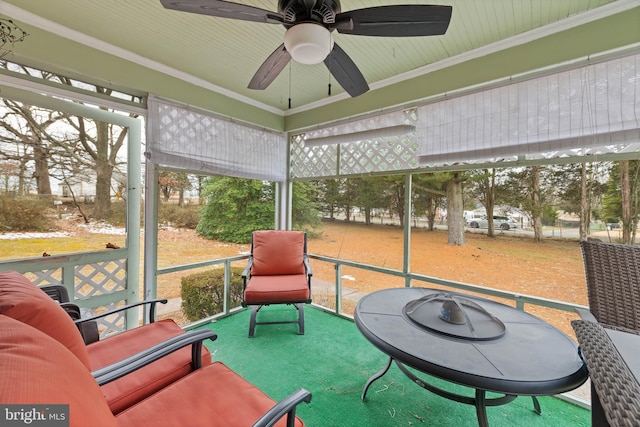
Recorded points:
(95, 281)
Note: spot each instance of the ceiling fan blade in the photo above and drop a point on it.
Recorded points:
(395, 21)
(224, 9)
(345, 71)
(270, 68)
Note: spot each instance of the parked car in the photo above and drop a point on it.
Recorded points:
(499, 223)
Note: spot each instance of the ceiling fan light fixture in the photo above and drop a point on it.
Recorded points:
(308, 43)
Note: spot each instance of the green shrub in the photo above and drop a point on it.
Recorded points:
(118, 213)
(168, 214)
(24, 214)
(203, 293)
(179, 217)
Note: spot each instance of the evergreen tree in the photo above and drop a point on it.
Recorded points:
(235, 208)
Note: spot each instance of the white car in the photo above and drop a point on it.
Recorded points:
(499, 223)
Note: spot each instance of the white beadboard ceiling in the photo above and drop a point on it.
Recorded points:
(226, 53)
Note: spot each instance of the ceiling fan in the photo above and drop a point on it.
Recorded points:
(309, 24)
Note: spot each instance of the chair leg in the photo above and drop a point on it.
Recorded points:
(300, 308)
(252, 322)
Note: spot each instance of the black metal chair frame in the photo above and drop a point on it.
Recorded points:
(88, 326)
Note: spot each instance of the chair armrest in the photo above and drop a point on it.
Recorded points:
(285, 406)
(307, 266)
(152, 310)
(616, 387)
(246, 272)
(586, 315)
(57, 292)
(72, 310)
(126, 366)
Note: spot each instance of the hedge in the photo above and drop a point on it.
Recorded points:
(203, 293)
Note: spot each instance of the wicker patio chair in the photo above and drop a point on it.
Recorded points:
(613, 284)
(615, 393)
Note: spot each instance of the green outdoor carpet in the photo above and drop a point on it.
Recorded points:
(333, 361)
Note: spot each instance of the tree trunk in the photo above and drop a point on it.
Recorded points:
(181, 197)
(22, 178)
(431, 213)
(585, 217)
(625, 190)
(535, 199)
(490, 199)
(400, 202)
(104, 171)
(455, 210)
(200, 186)
(41, 160)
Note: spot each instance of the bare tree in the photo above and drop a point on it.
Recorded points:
(429, 193)
(102, 143)
(8, 170)
(25, 131)
(171, 182)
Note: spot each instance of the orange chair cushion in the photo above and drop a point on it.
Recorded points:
(214, 396)
(277, 289)
(37, 369)
(277, 252)
(130, 389)
(22, 300)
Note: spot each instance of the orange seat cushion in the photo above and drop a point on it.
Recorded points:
(277, 252)
(214, 396)
(128, 390)
(277, 289)
(38, 370)
(22, 300)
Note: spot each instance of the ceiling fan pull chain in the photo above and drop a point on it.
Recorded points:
(329, 67)
(289, 85)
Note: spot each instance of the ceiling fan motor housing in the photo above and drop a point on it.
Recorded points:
(297, 11)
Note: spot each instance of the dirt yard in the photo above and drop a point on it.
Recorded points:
(550, 269)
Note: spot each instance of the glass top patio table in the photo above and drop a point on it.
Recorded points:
(528, 356)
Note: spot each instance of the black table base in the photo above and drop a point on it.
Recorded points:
(480, 400)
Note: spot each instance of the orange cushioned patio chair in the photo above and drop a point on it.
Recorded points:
(22, 300)
(37, 372)
(278, 272)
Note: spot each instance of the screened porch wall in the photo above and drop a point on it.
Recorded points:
(592, 110)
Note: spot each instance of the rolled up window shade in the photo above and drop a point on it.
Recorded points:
(592, 106)
(197, 141)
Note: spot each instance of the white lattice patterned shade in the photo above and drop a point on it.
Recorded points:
(200, 142)
(590, 110)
